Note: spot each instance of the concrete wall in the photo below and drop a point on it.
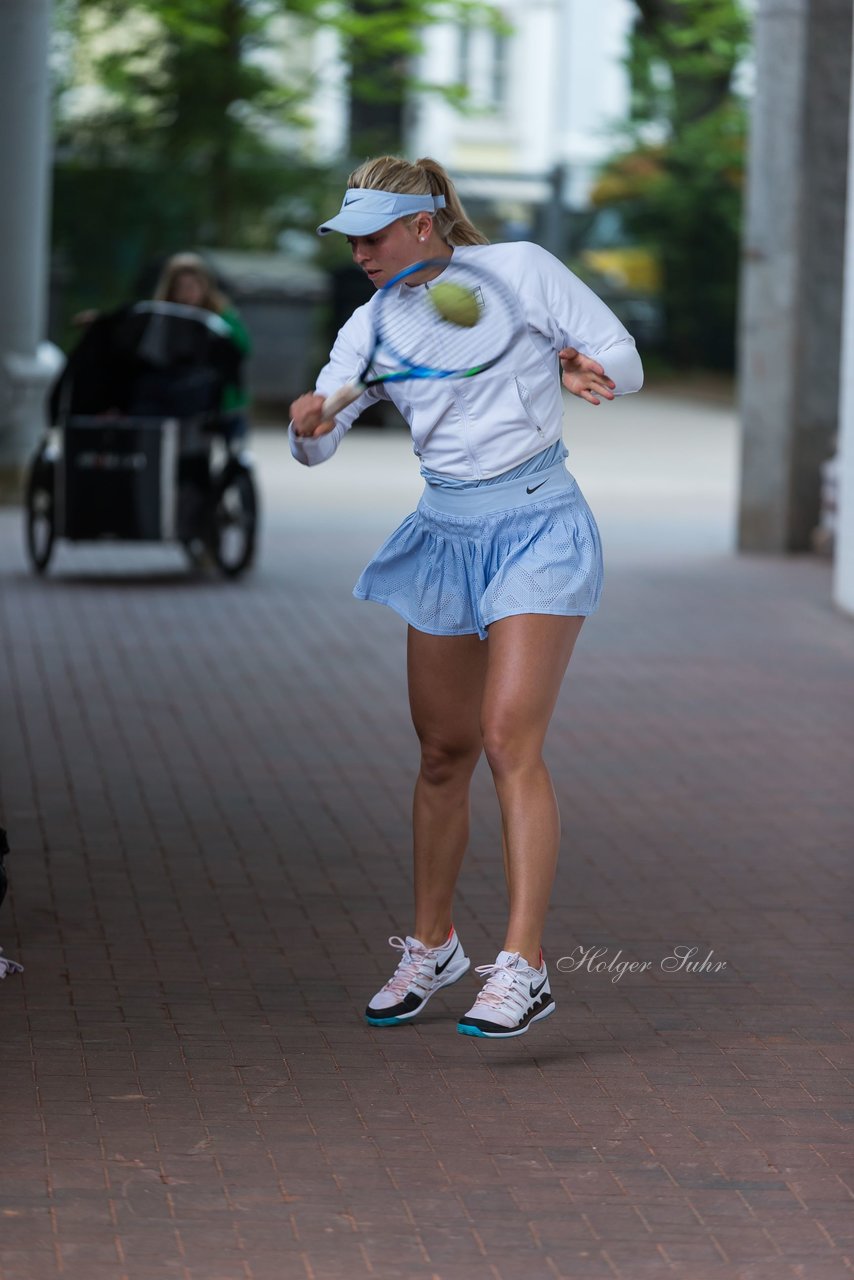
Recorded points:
(843, 584)
(27, 363)
(792, 280)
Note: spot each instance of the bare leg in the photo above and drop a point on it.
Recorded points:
(527, 660)
(446, 680)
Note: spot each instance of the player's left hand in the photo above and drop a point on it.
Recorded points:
(584, 377)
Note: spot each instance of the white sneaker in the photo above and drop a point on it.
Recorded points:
(421, 973)
(514, 995)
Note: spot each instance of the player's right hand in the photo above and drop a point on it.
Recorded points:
(307, 416)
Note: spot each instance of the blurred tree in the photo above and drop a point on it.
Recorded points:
(381, 40)
(680, 179)
(683, 57)
(378, 78)
(182, 121)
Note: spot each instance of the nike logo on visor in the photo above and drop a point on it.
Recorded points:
(351, 200)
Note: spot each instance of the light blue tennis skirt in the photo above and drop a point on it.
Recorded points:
(471, 554)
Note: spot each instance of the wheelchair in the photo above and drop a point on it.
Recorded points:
(138, 448)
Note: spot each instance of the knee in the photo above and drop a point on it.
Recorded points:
(443, 762)
(507, 751)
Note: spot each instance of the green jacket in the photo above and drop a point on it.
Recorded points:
(234, 396)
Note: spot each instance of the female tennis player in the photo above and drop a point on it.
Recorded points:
(494, 572)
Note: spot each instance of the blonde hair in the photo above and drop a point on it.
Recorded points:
(425, 176)
(191, 264)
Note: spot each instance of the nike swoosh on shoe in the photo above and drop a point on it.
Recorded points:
(440, 968)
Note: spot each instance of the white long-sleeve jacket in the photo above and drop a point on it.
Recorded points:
(476, 428)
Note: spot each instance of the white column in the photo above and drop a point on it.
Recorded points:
(27, 362)
(843, 572)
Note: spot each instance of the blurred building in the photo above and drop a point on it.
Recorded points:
(545, 91)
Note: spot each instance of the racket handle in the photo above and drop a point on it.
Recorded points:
(339, 400)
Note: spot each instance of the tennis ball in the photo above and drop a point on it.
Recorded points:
(456, 303)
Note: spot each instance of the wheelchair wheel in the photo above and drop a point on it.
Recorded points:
(235, 521)
(41, 526)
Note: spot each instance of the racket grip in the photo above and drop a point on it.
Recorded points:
(339, 399)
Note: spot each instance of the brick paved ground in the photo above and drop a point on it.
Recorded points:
(207, 790)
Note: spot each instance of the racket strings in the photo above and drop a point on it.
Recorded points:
(414, 332)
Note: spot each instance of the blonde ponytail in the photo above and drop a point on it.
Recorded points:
(391, 173)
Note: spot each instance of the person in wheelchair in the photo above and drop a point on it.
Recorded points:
(187, 281)
(152, 357)
(158, 362)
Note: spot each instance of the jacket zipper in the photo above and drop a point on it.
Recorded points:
(466, 434)
(525, 398)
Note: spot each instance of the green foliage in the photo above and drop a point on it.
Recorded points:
(680, 177)
(195, 135)
(683, 56)
(183, 101)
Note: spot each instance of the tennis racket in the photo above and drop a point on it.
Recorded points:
(412, 339)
